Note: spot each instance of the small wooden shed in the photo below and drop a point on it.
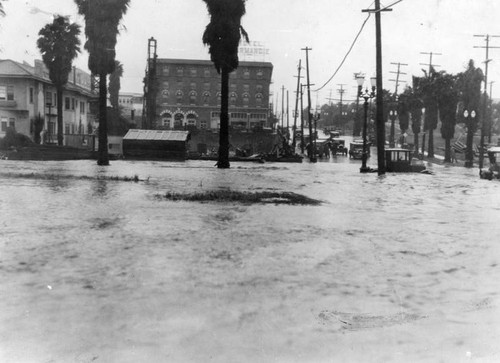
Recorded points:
(156, 144)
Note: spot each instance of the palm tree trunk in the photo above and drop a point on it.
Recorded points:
(102, 153)
(59, 96)
(430, 152)
(415, 142)
(447, 150)
(223, 162)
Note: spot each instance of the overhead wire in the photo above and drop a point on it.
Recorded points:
(353, 43)
(346, 55)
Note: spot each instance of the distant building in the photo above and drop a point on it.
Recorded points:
(131, 105)
(188, 95)
(26, 92)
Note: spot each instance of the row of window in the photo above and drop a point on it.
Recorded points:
(70, 103)
(241, 115)
(207, 85)
(233, 96)
(180, 71)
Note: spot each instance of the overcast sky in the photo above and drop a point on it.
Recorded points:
(284, 27)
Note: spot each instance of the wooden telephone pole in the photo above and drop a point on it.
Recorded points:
(485, 101)
(379, 97)
(312, 151)
(296, 106)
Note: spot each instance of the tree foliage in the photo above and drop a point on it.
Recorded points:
(469, 87)
(59, 45)
(447, 97)
(102, 18)
(114, 84)
(223, 33)
(404, 110)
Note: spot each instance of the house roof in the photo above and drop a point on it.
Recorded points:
(157, 135)
(8, 66)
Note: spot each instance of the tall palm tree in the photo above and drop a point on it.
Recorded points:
(102, 18)
(223, 35)
(59, 45)
(415, 105)
(469, 84)
(427, 88)
(447, 101)
(403, 108)
(114, 84)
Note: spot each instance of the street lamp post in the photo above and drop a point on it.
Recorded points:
(469, 157)
(366, 95)
(392, 116)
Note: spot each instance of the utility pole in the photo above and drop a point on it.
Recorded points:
(491, 113)
(379, 97)
(341, 93)
(485, 101)
(393, 112)
(312, 153)
(287, 134)
(398, 72)
(431, 132)
(302, 118)
(296, 106)
(282, 107)
(430, 54)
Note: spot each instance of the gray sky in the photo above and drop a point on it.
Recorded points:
(284, 27)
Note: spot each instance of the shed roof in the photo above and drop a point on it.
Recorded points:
(160, 135)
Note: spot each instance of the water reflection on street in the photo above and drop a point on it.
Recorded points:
(388, 269)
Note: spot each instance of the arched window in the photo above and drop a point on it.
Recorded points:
(178, 119)
(165, 93)
(246, 99)
(166, 119)
(206, 98)
(232, 98)
(258, 99)
(219, 95)
(192, 97)
(179, 95)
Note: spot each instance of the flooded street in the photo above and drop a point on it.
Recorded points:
(398, 268)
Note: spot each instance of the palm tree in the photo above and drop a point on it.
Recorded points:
(102, 18)
(223, 35)
(415, 107)
(114, 84)
(469, 85)
(427, 88)
(59, 45)
(447, 103)
(403, 108)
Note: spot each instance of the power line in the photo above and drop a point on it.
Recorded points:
(348, 52)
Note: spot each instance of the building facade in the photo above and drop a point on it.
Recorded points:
(131, 105)
(27, 92)
(189, 95)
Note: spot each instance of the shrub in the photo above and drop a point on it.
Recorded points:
(14, 139)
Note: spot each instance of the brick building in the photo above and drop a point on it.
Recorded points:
(189, 95)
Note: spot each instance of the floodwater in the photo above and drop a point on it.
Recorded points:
(398, 268)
